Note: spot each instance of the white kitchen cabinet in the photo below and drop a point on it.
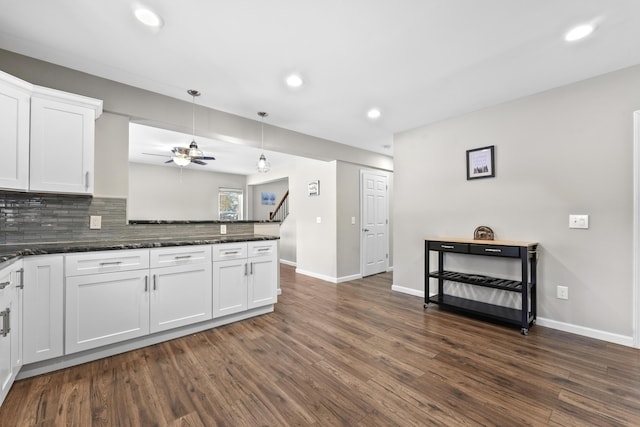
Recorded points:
(245, 276)
(43, 308)
(106, 307)
(10, 325)
(229, 286)
(263, 273)
(180, 286)
(15, 95)
(62, 141)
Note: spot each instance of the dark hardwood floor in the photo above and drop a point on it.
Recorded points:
(353, 354)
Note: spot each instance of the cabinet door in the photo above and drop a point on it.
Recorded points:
(14, 133)
(180, 295)
(17, 309)
(229, 287)
(6, 335)
(62, 137)
(263, 281)
(43, 315)
(263, 273)
(106, 308)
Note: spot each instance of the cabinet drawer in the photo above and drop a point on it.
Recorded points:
(224, 251)
(496, 250)
(449, 247)
(179, 255)
(106, 262)
(262, 248)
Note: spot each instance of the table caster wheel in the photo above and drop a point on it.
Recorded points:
(524, 331)
(426, 306)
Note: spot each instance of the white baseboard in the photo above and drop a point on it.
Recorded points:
(348, 278)
(317, 276)
(409, 291)
(586, 332)
(390, 269)
(285, 262)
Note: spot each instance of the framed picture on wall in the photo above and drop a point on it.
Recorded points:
(268, 198)
(481, 163)
(314, 188)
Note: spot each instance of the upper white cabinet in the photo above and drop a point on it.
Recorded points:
(62, 141)
(46, 138)
(15, 96)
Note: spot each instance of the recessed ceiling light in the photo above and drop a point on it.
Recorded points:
(294, 80)
(374, 113)
(148, 17)
(579, 32)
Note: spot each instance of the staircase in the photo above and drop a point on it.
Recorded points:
(282, 210)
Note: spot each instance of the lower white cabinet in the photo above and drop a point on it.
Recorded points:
(106, 308)
(43, 308)
(245, 276)
(10, 325)
(181, 292)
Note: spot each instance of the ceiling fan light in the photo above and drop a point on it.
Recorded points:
(181, 160)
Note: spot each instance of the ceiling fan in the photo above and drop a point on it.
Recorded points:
(182, 156)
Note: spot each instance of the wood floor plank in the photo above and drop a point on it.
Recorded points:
(348, 354)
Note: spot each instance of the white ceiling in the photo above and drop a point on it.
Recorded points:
(419, 61)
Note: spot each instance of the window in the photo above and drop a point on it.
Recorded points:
(229, 204)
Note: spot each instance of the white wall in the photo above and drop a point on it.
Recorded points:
(567, 150)
(157, 192)
(316, 248)
(258, 210)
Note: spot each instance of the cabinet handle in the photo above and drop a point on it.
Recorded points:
(111, 263)
(447, 246)
(231, 252)
(493, 250)
(182, 256)
(155, 282)
(21, 283)
(264, 249)
(86, 180)
(4, 285)
(6, 322)
(251, 270)
(146, 283)
(245, 268)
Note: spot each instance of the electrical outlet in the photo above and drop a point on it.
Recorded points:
(562, 292)
(95, 222)
(223, 228)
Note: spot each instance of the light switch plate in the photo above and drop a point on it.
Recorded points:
(318, 219)
(353, 220)
(95, 222)
(578, 221)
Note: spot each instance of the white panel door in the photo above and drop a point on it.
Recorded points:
(43, 308)
(106, 308)
(180, 295)
(229, 286)
(62, 138)
(263, 277)
(6, 299)
(14, 134)
(374, 220)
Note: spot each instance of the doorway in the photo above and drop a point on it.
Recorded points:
(374, 221)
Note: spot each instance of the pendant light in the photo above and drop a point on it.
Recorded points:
(263, 164)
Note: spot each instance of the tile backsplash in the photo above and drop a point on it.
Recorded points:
(43, 218)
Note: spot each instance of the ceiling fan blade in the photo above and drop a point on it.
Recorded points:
(169, 161)
(207, 158)
(154, 154)
(198, 162)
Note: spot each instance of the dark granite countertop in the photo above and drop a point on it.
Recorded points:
(9, 252)
(212, 221)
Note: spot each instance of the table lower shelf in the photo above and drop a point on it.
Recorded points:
(496, 312)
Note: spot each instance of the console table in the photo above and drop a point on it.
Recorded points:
(524, 252)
